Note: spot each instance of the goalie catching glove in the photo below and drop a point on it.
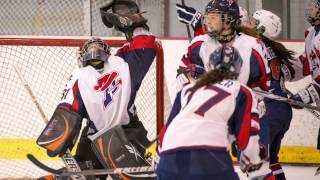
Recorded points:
(125, 17)
(61, 132)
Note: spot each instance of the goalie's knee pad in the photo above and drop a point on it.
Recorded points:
(114, 150)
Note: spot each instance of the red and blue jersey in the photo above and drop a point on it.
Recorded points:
(106, 98)
(206, 119)
(255, 71)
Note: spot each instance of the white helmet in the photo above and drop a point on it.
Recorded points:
(268, 23)
(244, 16)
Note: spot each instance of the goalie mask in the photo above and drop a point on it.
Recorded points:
(267, 23)
(94, 53)
(314, 13)
(221, 18)
(226, 58)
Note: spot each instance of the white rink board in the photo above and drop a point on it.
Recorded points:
(304, 127)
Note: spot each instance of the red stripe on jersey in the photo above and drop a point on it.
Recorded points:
(161, 135)
(190, 48)
(201, 30)
(142, 41)
(264, 76)
(244, 134)
(255, 117)
(305, 65)
(306, 33)
(138, 42)
(75, 91)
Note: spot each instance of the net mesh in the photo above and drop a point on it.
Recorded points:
(46, 69)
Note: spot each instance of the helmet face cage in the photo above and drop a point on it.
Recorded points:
(229, 10)
(94, 50)
(226, 58)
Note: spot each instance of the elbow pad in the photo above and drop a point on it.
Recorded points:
(61, 132)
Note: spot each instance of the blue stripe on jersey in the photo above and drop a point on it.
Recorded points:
(139, 55)
(77, 104)
(258, 76)
(194, 54)
(241, 119)
(175, 108)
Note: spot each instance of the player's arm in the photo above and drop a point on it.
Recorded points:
(298, 69)
(191, 64)
(245, 125)
(64, 126)
(260, 74)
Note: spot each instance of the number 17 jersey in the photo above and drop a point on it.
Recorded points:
(204, 120)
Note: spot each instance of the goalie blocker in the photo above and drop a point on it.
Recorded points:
(61, 132)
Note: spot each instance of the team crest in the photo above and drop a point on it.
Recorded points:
(109, 84)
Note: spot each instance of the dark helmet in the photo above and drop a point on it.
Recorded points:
(225, 7)
(226, 58)
(94, 56)
(312, 19)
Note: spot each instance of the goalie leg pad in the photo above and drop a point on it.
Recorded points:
(114, 150)
(61, 132)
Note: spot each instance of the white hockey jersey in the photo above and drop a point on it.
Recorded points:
(106, 99)
(205, 119)
(255, 71)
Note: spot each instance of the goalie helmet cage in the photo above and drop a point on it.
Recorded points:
(46, 63)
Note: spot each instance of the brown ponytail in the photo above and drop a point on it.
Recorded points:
(212, 77)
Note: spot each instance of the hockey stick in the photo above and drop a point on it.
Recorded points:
(317, 171)
(286, 100)
(315, 113)
(187, 26)
(126, 170)
(67, 158)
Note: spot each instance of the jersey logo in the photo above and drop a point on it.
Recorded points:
(109, 84)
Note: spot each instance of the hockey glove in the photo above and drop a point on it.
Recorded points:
(61, 132)
(126, 23)
(193, 71)
(307, 96)
(189, 15)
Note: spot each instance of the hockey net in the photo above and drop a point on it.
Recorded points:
(46, 63)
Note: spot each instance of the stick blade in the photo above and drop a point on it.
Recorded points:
(42, 166)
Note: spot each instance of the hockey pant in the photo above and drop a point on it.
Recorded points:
(194, 164)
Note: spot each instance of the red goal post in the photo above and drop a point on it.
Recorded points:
(46, 62)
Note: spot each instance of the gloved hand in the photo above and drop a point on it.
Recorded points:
(189, 15)
(193, 71)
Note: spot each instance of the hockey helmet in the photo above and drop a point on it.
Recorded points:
(226, 58)
(268, 23)
(94, 52)
(244, 16)
(228, 8)
(312, 18)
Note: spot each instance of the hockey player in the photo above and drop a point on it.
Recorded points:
(222, 20)
(309, 61)
(194, 142)
(267, 26)
(103, 91)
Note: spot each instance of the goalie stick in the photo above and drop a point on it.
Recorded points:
(67, 158)
(127, 170)
(317, 171)
(283, 99)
